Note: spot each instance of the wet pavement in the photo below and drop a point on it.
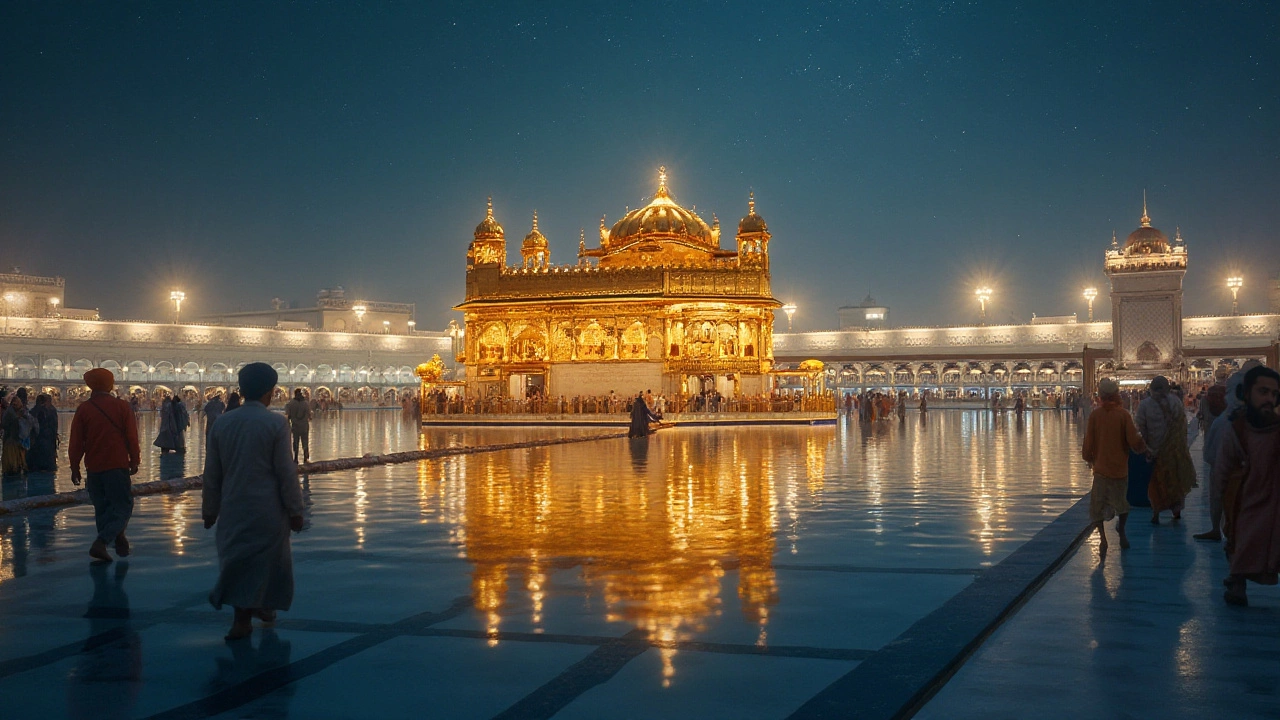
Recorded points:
(1139, 633)
(703, 572)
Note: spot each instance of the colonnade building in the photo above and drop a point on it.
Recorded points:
(48, 350)
(1146, 335)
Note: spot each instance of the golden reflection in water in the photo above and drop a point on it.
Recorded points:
(361, 505)
(652, 533)
(6, 554)
(175, 510)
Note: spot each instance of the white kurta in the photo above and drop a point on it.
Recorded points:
(251, 487)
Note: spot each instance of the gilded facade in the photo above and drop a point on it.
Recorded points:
(658, 305)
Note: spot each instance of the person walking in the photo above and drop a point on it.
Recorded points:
(641, 416)
(173, 426)
(1248, 465)
(1162, 420)
(299, 414)
(233, 402)
(104, 434)
(212, 411)
(1109, 436)
(251, 492)
(43, 454)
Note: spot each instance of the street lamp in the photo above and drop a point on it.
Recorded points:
(412, 324)
(1089, 294)
(359, 309)
(790, 310)
(177, 296)
(54, 302)
(386, 326)
(984, 294)
(1234, 283)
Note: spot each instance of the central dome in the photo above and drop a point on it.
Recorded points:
(1146, 239)
(662, 219)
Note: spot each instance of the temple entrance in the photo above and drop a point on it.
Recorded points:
(526, 385)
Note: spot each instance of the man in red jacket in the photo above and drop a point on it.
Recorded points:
(105, 434)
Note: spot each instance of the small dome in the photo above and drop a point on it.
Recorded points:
(489, 228)
(535, 238)
(752, 223)
(1146, 239)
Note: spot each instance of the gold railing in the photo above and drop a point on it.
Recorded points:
(622, 406)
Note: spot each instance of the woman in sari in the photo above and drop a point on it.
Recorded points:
(18, 426)
(1163, 421)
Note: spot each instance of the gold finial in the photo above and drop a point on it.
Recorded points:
(1177, 235)
(662, 181)
(535, 220)
(751, 203)
(489, 213)
(1146, 219)
(1114, 242)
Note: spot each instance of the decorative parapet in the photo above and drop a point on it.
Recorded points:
(132, 333)
(1117, 262)
(568, 282)
(946, 340)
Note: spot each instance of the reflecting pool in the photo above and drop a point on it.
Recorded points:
(710, 571)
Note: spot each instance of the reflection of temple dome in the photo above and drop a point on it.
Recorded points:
(662, 219)
(535, 240)
(489, 228)
(752, 223)
(1146, 239)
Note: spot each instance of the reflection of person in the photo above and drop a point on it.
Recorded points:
(104, 434)
(1109, 436)
(299, 414)
(640, 418)
(108, 673)
(251, 491)
(1248, 463)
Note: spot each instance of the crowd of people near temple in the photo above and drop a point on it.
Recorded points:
(1143, 459)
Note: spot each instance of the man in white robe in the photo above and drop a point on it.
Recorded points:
(251, 491)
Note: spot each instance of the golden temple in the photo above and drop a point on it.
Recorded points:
(657, 306)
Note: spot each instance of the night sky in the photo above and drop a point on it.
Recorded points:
(905, 149)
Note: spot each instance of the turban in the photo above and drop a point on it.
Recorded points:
(100, 380)
(1159, 382)
(1108, 387)
(257, 379)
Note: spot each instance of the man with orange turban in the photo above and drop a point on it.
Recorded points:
(104, 434)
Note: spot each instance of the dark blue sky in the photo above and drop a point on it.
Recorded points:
(906, 149)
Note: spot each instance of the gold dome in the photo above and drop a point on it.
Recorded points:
(489, 228)
(752, 223)
(535, 239)
(661, 221)
(1146, 239)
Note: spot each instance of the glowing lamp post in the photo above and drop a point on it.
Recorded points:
(1234, 284)
(412, 324)
(1089, 294)
(983, 294)
(454, 333)
(359, 309)
(54, 302)
(386, 326)
(177, 296)
(790, 310)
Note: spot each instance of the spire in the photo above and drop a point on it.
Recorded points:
(1114, 243)
(1146, 219)
(582, 241)
(1177, 235)
(662, 181)
(751, 202)
(535, 221)
(489, 212)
